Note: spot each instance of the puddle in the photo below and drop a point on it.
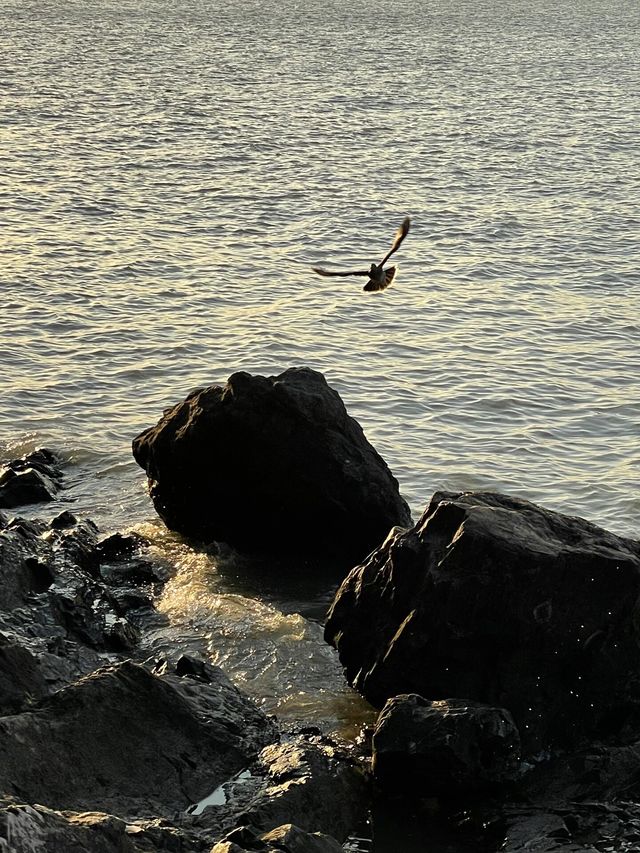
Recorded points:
(219, 796)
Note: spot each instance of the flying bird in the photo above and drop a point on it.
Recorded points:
(379, 278)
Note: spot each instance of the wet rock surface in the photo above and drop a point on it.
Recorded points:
(34, 478)
(502, 601)
(493, 599)
(280, 451)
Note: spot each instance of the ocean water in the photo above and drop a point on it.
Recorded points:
(170, 172)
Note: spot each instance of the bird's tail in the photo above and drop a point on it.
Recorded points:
(389, 275)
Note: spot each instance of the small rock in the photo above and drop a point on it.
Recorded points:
(34, 478)
(63, 520)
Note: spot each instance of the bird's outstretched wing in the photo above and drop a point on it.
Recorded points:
(400, 234)
(321, 271)
(389, 275)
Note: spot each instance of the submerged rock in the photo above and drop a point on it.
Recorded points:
(444, 748)
(270, 465)
(495, 600)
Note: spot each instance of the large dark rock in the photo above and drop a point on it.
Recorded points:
(493, 599)
(444, 748)
(122, 740)
(270, 464)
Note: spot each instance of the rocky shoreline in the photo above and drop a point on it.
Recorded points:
(500, 641)
(106, 749)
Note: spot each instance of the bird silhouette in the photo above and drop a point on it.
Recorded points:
(379, 278)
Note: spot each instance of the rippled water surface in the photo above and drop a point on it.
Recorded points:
(169, 172)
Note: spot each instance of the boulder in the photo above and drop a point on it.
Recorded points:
(120, 740)
(496, 600)
(270, 465)
(444, 748)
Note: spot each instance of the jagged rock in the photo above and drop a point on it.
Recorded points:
(32, 479)
(63, 520)
(126, 599)
(137, 571)
(25, 561)
(283, 839)
(76, 544)
(49, 580)
(120, 739)
(270, 464)
(314, 784)
(493, 599)
(540, 832)
(444, 748)
(28, 828)
(596, 772)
